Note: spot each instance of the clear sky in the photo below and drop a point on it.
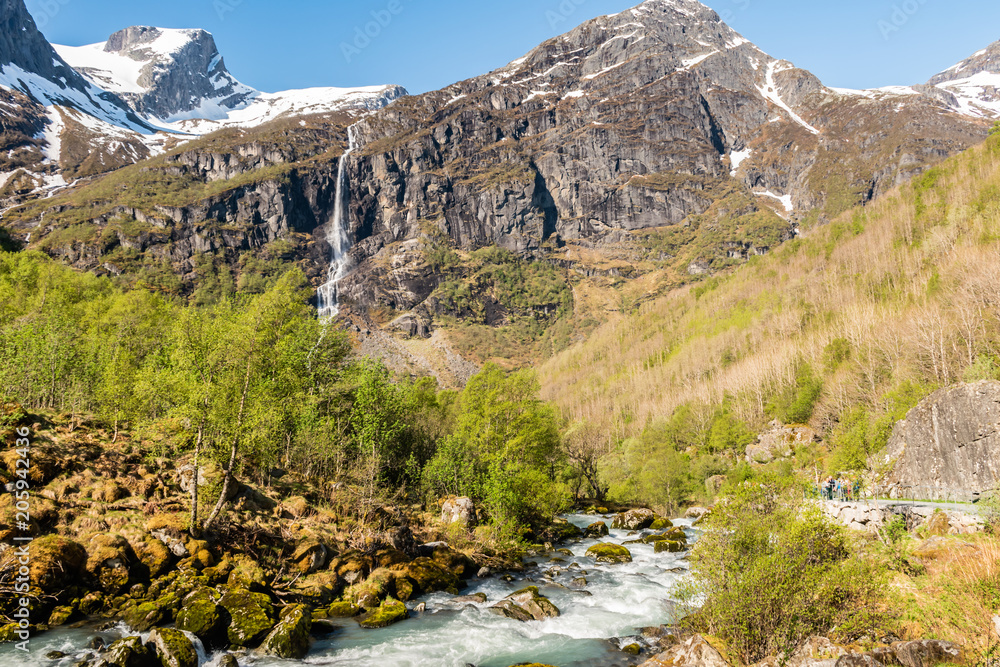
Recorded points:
(428, 44)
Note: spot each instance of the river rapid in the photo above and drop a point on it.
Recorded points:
(596, 619)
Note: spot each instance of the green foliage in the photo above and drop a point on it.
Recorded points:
(995, 130)
(775, 572)
(795, 404)
(503, 451)
(836, 353)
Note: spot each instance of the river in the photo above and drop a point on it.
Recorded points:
(595, 622)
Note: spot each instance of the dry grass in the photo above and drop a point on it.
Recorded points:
(912, 283)
(956, 599)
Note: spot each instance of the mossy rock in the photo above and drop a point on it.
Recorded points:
(92, 603)
(379, 585)
(319, 589)
(56, 562)
(526, 604)
(202, 617)
(676, 534)
(597, 529)
(430, 576)
(250, 616)
(173, 648)
(669, 546)
(652, 539)
(391, 611)
(155, 556)
(8, 633)
(455, 562)
(109, 557)
(343, 610)
(636, 519)
(606, 552)
(147, 615)
(661, 523)
(564, 530)
(127, 652)
(247, 574)
(632, 649)
(290, 637)
(61, 615)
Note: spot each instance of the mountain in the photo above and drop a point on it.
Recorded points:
(163, 74)
(178, 79)
(973, 85)
(30, 65)
(635, 154)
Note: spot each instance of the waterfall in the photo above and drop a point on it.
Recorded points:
(339, 238)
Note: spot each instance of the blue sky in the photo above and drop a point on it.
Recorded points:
(424, 44)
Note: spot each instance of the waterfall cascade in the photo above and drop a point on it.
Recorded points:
(339, 238)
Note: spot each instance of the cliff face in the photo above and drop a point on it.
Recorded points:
(948, 447)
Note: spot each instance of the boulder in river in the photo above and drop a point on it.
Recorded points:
(127, 652)
(670, 546)
(290, 637)
(173, 648)
(636, 519)
(251, 616)
(597, 529)
(201, 615)
(526, 604)
(391, 611)
(606, 552)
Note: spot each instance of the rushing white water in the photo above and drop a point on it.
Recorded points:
(339, 237)
(595, 621)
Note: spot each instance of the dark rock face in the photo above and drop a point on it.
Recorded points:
(180, 76)
(948, 447)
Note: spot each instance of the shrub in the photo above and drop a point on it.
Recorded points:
(775, 571)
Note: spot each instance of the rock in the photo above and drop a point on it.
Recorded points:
(155, 555)
(696, 512)
(635, 519)
(108, 559)
(779, 442)
(632, 649)
(479, 598)
(926, 653)
(484, 572)
(310, 555)
(695, 652)
(816, 652)
(430, 576)
(661, 523)
(596, 529)
(228, 660)
(948, 447)
(60, 616)
(173, 648)
(937, 524)
(670, 546)
(55, 562)
(127, 652)
(201, 616)
(247, 574)
(391, 611)
(459, 510)
(343, 610)
(525, 605)
(251, 616)
(147, 615)
(606, 552)
(290, 637)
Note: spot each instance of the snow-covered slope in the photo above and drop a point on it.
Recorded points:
(974, 83)
(178, 80)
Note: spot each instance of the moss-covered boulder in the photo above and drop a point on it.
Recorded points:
(661, 523)
(127, 652)
(144, 616)
(55, 562)
(676, 534)
(109, 558)
(564, 530)
(597, 529)
(526, 605)
(343, 610)
(606, 552)
(310, 554)
(319, 589)
(652, 539)
(154, 555)
(202, 616)
(247, 574)
(250, 616)
(455, 562)
(173, 648)
(370, 593)
(391, 611)
(290, 637)
(61, 615)
(669, 546)
(636, 519)
(430, 576)
(8, 632)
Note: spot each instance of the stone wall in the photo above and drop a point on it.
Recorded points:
(870, 517)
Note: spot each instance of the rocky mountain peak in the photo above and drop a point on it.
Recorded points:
(167, 74)
(972, 87)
